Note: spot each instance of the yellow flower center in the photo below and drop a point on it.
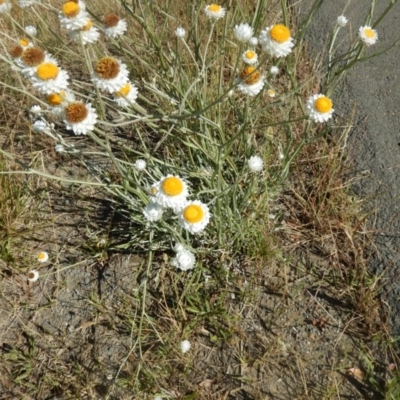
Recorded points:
(172, 186)
(54, 99)
(250, 75)
(193, 213)
(124, 91)
(76, 112)
(107, 68)
(70, 9)
(279, 33)
(250, 54)
(47, 71)
(214, 8)
(271, 93)
(323, 104)
(369, 33)
(24, 42)
(41, 256)
(88, 25)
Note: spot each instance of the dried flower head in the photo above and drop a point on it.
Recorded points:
(111, 20)
(16, 51)
(76, 112)
(33, 275)
(33, 56)
(107, 68)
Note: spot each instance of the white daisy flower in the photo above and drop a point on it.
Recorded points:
(368, 35)
(59, 148)
(25, 43)
(342, 21)
(276, 40)
(185, 346)
(30, 30)
(250, 57)
(89, 33)
(30, 60)
(49, 78)
(251, 81)
(36, 110)
(42, 126)
(58, 101)
(80, 117)
(194, 216)
(214, 11)
(73, 16)
(256, 163)
(153, 212)
(274, 70)
(140, 164)
(271, 92)
(171, 191)
(114, 26)
(253, 41)
(42, 256)
(26, 3)
(33, 275)
(5, 6)
(319, 108)
(243, 32)
(126, 95)
(110, 74)
(180, 32)
(184, 260)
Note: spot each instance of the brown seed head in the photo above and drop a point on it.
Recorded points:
(76, 112)
(16, 51)
(107, 68)
(111, 20)
(33, 56)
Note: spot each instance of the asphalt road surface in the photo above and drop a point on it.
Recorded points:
(374, 141)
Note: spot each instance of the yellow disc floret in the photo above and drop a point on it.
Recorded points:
(250, 54)
(369, 33)
(23, 42)
(76, 112)
(279, 33)
(42, 256)
(70, 9)
(323, 104)
(54, 99)
(214, 8)
(124, 91)
(47, 71)
(250, 75)
(88, 26)
(193, 213)
(172, 186)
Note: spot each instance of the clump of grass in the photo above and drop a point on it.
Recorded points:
(230, 135)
